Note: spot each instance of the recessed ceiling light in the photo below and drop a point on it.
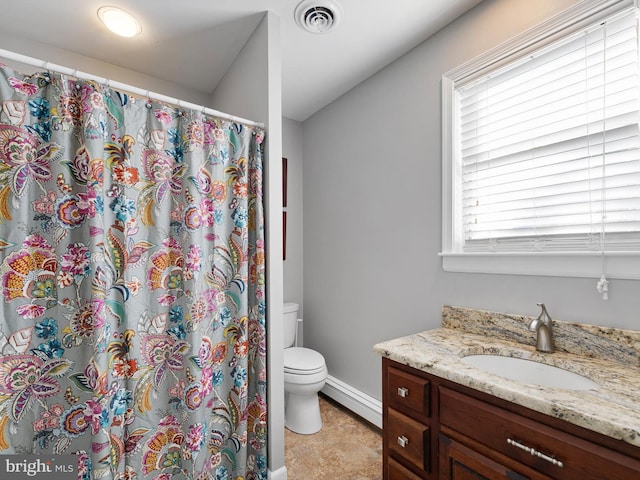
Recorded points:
(119, 21)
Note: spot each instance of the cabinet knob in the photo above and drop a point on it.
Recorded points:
(403, 441)
(403, 392)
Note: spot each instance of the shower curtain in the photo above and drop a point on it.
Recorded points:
(133, 281)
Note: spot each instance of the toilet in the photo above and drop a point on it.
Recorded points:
(305, 373)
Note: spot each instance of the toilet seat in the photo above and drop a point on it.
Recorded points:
(303, 361)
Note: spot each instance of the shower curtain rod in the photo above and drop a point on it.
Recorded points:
(122, 86)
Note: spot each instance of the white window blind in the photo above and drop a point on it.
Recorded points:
(548, 147)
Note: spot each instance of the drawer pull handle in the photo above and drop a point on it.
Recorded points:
(403, 441)
(535, 452)
(403, 392)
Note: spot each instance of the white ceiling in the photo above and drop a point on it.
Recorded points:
(193, 42)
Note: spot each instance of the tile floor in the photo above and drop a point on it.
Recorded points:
(347, 448)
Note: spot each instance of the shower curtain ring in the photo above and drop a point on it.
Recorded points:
(77, 86)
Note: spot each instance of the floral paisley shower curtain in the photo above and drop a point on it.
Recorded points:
(132, 274)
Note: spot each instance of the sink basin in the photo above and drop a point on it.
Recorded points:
(529, 371)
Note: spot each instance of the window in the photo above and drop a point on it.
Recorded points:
(542, 151)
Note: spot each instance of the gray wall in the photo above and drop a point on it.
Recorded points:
(292, 150)
(65, 58)
(372, 211)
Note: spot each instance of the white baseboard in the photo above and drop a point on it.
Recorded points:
(358, 402)
(279, 474)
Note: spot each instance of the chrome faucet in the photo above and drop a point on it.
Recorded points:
(544, 330)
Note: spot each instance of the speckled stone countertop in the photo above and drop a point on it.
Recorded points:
(610, 357)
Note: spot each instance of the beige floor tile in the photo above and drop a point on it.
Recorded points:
(347, 448)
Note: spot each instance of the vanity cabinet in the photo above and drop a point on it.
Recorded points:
(461, 434)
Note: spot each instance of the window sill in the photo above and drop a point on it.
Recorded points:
(624, 265)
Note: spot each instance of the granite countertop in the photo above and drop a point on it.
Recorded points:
(610, 357)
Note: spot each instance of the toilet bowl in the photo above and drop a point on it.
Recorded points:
(305, 373)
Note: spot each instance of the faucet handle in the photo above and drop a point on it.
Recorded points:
(542, 319)
(544, 314)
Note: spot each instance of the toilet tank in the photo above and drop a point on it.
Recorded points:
(290, 324)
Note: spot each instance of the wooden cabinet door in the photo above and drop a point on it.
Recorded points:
(458, 462)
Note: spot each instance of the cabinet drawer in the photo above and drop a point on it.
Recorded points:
(408, 393)
(555, 453)
(396, 471)
(408, 439)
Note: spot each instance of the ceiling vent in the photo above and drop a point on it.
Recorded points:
(318, 16)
